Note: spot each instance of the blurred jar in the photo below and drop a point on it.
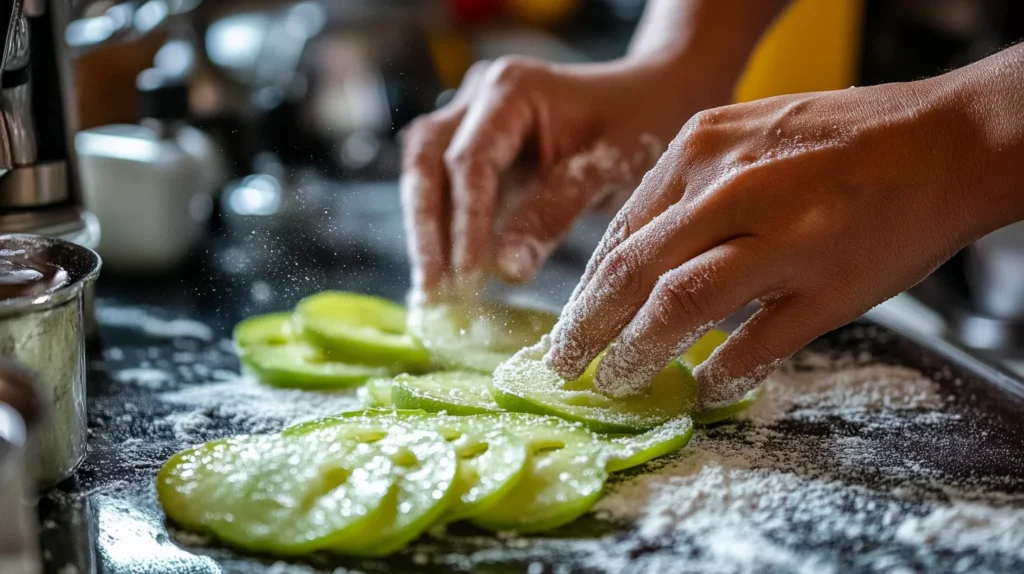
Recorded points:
(150, 185)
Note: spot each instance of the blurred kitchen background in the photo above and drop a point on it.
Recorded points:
(239, 154)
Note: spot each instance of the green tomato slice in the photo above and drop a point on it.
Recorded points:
(360, 328)
(525, 384)
(425, 468)
(271, 330)
(702, 349)
(564, 477)
(491, 458)
(697, 354)
(633, 450)
(270, 347)
(269, 493)
(477, 335)
(376, 393)
(718, 414)
(454, 392)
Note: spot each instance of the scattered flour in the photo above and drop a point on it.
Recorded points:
(968, 526)
(152, 325)
(250, 406)
(145, 377)
(813, 393)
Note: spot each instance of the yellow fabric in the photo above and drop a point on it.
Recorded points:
(814, 46)
(451, 54)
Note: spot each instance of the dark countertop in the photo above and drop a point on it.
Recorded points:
(165, 334)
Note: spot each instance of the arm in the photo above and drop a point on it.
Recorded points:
(714, 37)
(987, 103)
(596, 128)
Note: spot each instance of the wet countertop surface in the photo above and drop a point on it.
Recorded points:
(163, 376)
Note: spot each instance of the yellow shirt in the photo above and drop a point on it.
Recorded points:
(814, 46)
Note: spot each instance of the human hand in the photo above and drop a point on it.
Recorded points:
(818, 206)
(592, 131)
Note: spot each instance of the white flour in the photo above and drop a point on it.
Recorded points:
(152, 325)
(250, 406)
(145, 377)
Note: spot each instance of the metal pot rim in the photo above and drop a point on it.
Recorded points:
(82, 265)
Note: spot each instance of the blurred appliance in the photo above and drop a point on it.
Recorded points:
(39, 192)
(37, 180)
(326, 84)
(150, 184)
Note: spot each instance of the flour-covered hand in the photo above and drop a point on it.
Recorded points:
(587, 132)
(817, 206)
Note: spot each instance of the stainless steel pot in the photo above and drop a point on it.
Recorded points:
(46, 334)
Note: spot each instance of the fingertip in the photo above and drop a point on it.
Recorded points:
(567, 356)
(519, 257)
(624, 372)
(719, 386)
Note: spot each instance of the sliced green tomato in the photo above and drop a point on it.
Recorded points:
(491, 458)
(564, 478)
(525, 384)
(718, 414)
(302, 366)
(273, 329)
(702, 349)
(477, 335)
(376, 394)
(424, 467)
(456, 392)
(269, 346)
(277, 494)
(633, 450)
(360, 328)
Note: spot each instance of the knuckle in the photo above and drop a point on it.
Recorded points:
(421, 140)
(478, 68)
(458, 158)
(416, 132)
(699, 123)
(756, 357)
(678, 297)
(510, 71)
(622, 269)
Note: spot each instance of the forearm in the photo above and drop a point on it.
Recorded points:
(987, 132)
(711, 39)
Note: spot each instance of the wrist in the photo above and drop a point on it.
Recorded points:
(702, 46)
(985, 139)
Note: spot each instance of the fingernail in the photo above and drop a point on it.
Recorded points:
(519, 258)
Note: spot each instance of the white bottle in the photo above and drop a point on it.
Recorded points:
(150, 185)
